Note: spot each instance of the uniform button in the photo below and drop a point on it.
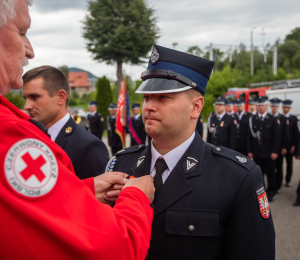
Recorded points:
(260, 128)
(218, 149)
(191, 228)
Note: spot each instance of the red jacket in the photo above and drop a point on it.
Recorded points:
(46, 212)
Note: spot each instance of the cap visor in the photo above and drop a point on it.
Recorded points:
(161, 85)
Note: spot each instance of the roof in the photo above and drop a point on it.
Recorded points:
(79, 79)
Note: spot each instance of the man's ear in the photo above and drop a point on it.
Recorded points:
(61, 97)
(198, 103)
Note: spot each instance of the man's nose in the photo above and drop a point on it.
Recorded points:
(27, 105)
(28, 49)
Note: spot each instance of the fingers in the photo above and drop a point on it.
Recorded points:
(112, 194)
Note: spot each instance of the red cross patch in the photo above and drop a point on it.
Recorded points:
(264, 207)
(31, 169)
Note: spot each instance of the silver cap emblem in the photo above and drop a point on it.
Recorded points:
(154, 56)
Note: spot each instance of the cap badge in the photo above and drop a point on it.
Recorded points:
(241, 159)
(154, 56)
(69, 130)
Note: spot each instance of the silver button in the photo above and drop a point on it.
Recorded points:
(218, 149)
(191, 228)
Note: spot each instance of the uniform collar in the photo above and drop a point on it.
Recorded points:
(254, 113)
(172, 157)
(136, 116)
(54, 130)
(231, 113)
(263, 115)
(276, 115)
(92, 114)
(220, 116)
(287, 115)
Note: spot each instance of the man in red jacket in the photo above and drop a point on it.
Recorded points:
(46, 212)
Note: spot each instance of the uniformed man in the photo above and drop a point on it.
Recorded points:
(47, 93)
(114, 140)
(199, 126)
(136, 126)
(210, 201)
(297, 155)
(263, 146)
(95, 120)
(291, 121)
(230, 107)
(274, 104)
(46, 211)
(242, 126)
(252, 106)
(222, 128)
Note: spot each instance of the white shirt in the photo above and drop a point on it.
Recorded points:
(94, 113)
(241, 114)
(262, 115)
(253, 113)
(275, 115)
(136, 116)
(54, 130)
(220, 116)
(287, 115)
(171, 158)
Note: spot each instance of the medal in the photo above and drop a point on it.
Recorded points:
(222, 124)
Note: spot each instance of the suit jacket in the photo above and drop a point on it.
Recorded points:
(284, 131)
(242, 131)
(96, 124)
(199, 126)
(114, 139)
(139, 128)
(208, 207)
(269, 141)
(291, 122)
(88, 154)
(222, 132)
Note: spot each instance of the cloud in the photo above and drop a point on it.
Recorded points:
(56, 5)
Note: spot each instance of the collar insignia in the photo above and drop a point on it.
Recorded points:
(69, 130)
(190, 165)
(154, 56)
(140, 162)
(241, 159)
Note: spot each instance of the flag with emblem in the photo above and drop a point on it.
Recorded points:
(122, 118)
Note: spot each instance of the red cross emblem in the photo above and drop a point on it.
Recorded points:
(33, 167)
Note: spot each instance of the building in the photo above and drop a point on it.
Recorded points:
(79, 82)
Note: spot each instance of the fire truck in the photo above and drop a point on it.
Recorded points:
(282, 89)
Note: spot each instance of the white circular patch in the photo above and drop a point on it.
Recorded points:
(31, 168)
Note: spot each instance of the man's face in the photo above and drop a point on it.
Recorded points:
(286, 110)
(220, 109)
(14, 47)
(274, 109)
(39, 105)
(252, 107)
(168, 115)
(262, 108)
(136, 111)
(112, 112)
(92, 108)
(229, 108)
(240, 108)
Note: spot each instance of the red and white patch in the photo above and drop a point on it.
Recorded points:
(235, 122)
(278, 121)
(31, 168)
(263, 203)
(287, 122)
(101, 119)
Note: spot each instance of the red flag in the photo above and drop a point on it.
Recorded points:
(122, 109)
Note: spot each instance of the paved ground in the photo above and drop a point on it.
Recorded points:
(286, 217)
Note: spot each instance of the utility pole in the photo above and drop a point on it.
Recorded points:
(230, 54)
(264, 48)
(174, 45)
(211, 52)
(275, 60)
(251, 56)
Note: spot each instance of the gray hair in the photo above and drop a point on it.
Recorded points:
(7, 10)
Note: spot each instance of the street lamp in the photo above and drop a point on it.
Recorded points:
(251, 56)
(174, 45)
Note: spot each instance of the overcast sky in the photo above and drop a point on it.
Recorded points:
(56, 29)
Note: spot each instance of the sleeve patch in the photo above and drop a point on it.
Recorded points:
(263, 203)
(111, 164)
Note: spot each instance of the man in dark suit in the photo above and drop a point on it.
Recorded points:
(252, 106)
(95, 121)
(230, 107)
(209, 201)
(114, 140)
(297, 155)
(242, 118)
(47, 94)
(221, 127)
(136, 126)
(263, 145)
(199, 126)
(274, 104)
(291, 121)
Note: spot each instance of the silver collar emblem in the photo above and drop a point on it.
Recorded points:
(241, 159)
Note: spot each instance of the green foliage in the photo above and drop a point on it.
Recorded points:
(15, 97)
(118, 30)
(65, 70)
(103, 97)
(195, 50)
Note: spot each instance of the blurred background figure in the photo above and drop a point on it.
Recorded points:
(199, 126)
(252, 106)
(230, 107)
(114, 140)
(291, 122)
(297, 155)
(242, 118)
(136, 126)
(95, 121)
(47, 94)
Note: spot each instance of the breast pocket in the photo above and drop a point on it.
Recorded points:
(192, 222)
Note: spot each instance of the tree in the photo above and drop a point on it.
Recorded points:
(65, 70)
(195, 50)
(15, 97)
(119, 31)
(104, 97)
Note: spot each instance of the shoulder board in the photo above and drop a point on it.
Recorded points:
(240, 159)
(111, 164)
(131, 149)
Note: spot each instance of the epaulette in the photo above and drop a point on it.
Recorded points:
(232, 155)
(131, 149)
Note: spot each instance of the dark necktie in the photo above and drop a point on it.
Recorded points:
(161, 166)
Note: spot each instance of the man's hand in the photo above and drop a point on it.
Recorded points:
(283, 151)
(292, 150)
(108, 186)
(145, 184)
(250, 155)
(274, 156)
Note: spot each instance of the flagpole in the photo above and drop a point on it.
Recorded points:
(124, 110)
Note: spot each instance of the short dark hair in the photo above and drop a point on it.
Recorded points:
(54, 80)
